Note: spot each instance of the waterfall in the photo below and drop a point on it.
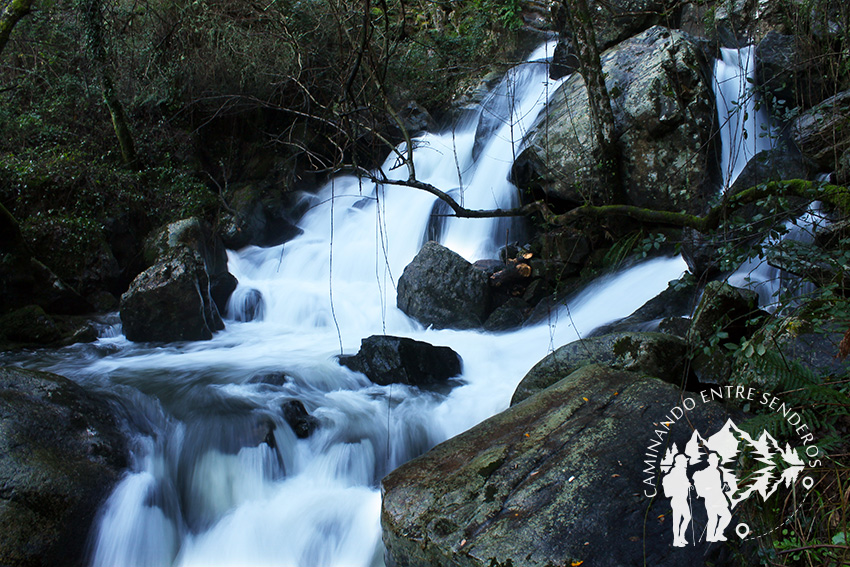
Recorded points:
(744, 123)
(218, 477)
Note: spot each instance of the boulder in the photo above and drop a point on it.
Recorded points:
(664, 117)
(194, 234)
(60, 455)
(773, 165)
(441, 289)
(652, 354)
(29, 324)
(295, 414)
(556, 480)
(823, 132)
(171, 301)
(399, 360)
(787, 70)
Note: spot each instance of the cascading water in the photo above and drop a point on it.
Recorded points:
(218, 477)
(744, 123)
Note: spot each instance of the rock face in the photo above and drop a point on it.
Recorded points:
(171, 301)
(399, 360)
(823, 132)
(441, 289)
(555, 480)
(661, 97)
(654, 354)
(260, 217)
(60, 454)
(786, 71)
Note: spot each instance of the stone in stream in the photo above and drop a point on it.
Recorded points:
(558, 479)
(171, 301)
(301, 422)
(441, 289)
(60, 455)
(400, 360)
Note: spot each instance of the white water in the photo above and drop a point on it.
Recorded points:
(745, 128)
(218, 478)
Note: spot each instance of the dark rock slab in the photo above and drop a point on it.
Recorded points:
(60, 455)
(399, 360)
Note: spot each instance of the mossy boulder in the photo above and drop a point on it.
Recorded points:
(60, 454)
(555, 480)
(652, 354)
(29, 324)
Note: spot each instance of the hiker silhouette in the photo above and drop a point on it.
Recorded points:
(713, 489)
(677, 487)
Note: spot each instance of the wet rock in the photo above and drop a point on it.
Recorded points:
(399, 360)
(555, 480)
(171, 301)
(441, 289)
(653, 354)
(823, 132)
(29, 324)
(260, 216)
(739, 23)
(661, 96)
(773, 165)
(302, 423)
(510, 315)
(247, 305)
(60, 455)
(679, 299)
(195, 235)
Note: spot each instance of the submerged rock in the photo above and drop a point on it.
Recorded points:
(60, 454)
(399, 360)
(302, 423)
(441, 289)
(555, 480)
(171, 301)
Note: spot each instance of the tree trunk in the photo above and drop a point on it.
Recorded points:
(10, 13)
(577, 16)
(93, 25)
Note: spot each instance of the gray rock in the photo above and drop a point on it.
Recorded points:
(171, 301)
(654, 354)
(60, 455)
(661, 97)
(823, 132)
(554, 480)
(400, 360)
(441, 289)
(261, 217)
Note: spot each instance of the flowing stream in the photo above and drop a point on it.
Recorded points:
(217, 476)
